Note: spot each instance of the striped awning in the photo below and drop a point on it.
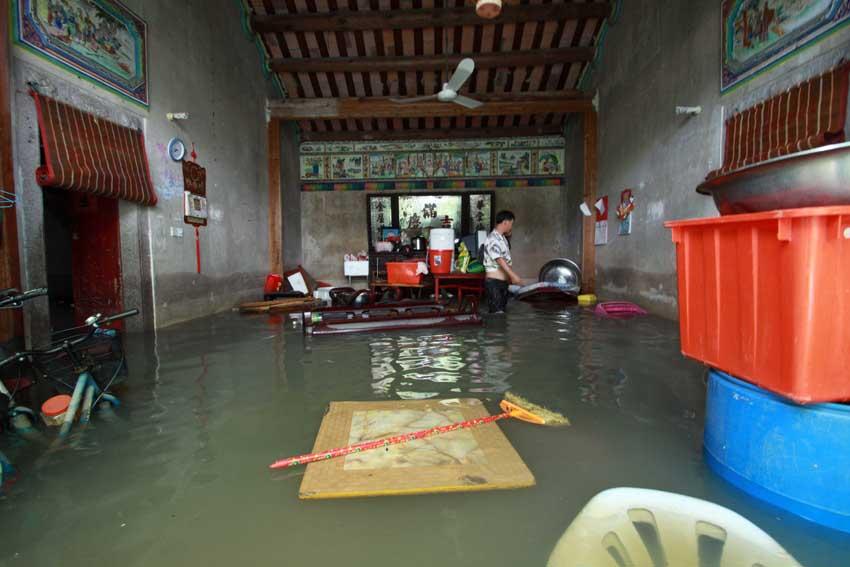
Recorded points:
(83, 152)
(805, 116)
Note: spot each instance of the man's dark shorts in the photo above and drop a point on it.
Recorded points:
(497, 294)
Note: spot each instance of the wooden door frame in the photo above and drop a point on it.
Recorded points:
(275, 205)
(11, 321)
(588, 246)
(588, 253)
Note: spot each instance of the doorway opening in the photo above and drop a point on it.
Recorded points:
(83, 249)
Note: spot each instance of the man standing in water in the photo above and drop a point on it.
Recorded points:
(497, 263)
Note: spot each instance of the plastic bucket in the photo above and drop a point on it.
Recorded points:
(442, 239)
(440, 261)
(403, 273)
(53, 409)
(795, 457)
(274, 283)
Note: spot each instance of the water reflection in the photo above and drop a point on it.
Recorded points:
(428, 366)
(210, 403)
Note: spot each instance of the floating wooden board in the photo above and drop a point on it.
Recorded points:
(276, 304)
(479, 458)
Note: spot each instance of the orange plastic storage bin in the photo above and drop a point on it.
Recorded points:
(766, 297)
(403, 273)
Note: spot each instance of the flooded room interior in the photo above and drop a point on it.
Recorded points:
(425, 282)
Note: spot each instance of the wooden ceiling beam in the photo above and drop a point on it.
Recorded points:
(344, 20)
(527, 58)
(381, 107)
(465, 133)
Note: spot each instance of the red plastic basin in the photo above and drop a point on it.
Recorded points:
(766, 297)
(403, 273)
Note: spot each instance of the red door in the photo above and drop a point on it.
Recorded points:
(96, 255)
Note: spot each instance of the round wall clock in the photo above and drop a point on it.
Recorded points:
(176, 149)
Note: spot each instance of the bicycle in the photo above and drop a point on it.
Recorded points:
(82, 355)
(19, 417)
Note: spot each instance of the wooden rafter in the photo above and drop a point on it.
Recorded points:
(527, 58)
(345, 21)
(381, 107)
(466, 133)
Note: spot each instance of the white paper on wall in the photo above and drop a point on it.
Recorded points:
(601, 232)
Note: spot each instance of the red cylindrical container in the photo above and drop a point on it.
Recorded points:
(273, 284)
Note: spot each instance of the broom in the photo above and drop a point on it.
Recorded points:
(512, 406)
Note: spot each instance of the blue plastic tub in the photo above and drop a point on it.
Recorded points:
(795, 457)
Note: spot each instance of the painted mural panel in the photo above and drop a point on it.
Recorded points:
(312, 148)
(432, 164)
(414, 165)
(101, 39)
(347, 166)
(514, 162)
(550, 162)
(313, 167)
(448, 164)
(478, 164)
(381, 166)
(759, 33)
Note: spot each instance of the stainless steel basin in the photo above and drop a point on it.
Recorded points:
(814, 178)
(562, 271)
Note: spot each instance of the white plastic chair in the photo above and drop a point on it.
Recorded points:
(635, 527)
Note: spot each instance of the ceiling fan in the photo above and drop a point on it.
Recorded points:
(449, 91)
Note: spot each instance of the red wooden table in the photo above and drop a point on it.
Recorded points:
(472, 284)
(460, 283)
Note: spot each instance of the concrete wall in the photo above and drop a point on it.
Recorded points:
(334, 223)
(541, 231)
(659, 54)
(200, 62)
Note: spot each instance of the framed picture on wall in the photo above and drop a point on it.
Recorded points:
(390, 232)
(102, 40)
(415, 213)
(758, 34)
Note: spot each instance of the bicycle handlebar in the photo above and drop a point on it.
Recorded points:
(117, 316)
(98, 320)
(18, 298)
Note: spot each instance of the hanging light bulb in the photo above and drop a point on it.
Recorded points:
(488, 9)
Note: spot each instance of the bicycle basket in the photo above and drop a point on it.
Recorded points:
(102, 354)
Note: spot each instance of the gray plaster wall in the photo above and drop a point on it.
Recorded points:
(541, 230)
(334, 223)
(660, 54)
(200, 62)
